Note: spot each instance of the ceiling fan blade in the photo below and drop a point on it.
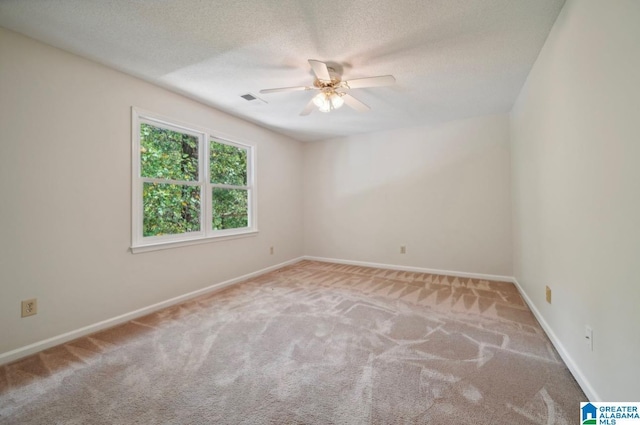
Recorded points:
(265, 91)
(355, 103)
(320, 69)
(359, 83)
(307, 109)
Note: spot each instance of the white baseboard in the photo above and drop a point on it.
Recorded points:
(27, 350)
(412, 269)
(568, 360)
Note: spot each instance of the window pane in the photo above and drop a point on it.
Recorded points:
(166, 154)
(170, 209)
(230, 208)
(228, 164)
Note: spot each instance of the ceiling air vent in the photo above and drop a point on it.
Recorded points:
(250, 97)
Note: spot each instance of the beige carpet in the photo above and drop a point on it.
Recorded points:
(312, 343)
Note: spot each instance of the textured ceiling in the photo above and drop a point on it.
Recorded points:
(452, 59)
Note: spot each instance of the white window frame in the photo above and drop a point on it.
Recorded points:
(140, 243)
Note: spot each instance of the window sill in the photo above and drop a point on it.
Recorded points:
(137, 249)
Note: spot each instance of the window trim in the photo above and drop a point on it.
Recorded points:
(140, 243)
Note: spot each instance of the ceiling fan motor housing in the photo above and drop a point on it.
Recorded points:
(335, 80)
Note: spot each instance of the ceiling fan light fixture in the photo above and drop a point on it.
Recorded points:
(320, 100)
(336, 100)
(325, 108)
(328, 100)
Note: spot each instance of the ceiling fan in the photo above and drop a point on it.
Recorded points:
(333, 91)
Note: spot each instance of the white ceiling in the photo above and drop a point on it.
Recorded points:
(452, 59)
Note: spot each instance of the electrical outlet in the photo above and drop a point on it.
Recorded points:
(271, 250)
(29, 307)
(548, 295)
(403, 249)
(588, 336)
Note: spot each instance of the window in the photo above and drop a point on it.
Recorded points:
(188, 185)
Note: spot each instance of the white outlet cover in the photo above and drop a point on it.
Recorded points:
(588, 337)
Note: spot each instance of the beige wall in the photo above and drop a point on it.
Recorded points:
(65, 185)
(576, 190)
(442, 191)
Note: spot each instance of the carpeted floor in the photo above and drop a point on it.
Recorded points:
(311, 343)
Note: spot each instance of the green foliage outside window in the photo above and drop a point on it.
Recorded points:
(174, 207)
(167, 154)
(229, 208)
(228, 166)
(169, 208)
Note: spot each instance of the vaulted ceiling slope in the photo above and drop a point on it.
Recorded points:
(452, 59)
